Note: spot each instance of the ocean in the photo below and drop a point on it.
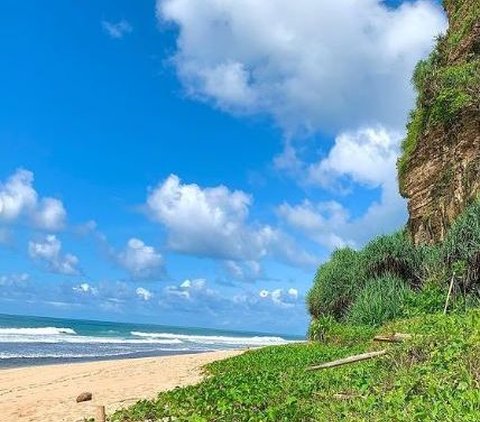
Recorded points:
(26, 340)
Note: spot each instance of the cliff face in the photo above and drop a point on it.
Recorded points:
(439, 171)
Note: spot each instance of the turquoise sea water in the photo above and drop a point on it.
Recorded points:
(26, 340)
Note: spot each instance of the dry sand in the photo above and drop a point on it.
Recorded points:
(48, 393)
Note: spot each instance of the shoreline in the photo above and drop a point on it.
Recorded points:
(55, 361)
(48, 392)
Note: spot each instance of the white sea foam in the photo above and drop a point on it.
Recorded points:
(68, 335)
(82, 340)
(211, 340)
(41, 331)
(135, 341)
(96, 354)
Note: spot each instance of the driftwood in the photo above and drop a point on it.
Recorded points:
(394, 338)
(350, 359)
(100, 416)
(346, 396)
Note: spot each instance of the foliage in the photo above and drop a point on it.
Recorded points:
(443, 92)
(461, 248)
(458, 86)
(336, 284)
(326, 330)
(429, 300)
(415, 127)
(464, 14)
(340, 285)
(320, 328)
(377, 276)
(434, 377)
(393, 254)
(433, 267)
(381, 300)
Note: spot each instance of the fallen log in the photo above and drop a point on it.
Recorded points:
(346, 361)
(394, 338)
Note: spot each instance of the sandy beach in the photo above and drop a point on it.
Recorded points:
(48, 393)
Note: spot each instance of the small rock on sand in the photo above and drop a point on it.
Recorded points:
(84, 397)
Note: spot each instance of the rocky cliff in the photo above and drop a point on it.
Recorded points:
(439, 170)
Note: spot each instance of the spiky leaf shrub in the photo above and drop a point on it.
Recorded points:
(393, 254)
(336, 284)
(461, 249)
(381, 300)
(433, 268)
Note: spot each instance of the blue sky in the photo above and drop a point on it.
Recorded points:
(192, 162)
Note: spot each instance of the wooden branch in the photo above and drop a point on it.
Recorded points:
(350, 359)
(100, 417)
(448, 295)
(346, 396)
(394, 338)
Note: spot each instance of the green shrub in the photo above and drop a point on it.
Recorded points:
(433, 268)
(343, 287)
(461, 249)
(458, 89)
(336, 284)
(381, 300)
(393, 254)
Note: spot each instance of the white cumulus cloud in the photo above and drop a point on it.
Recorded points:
(366, 157)
(18, 199)
(140, 260)
(244, 271)
(49, 253)
(311, 64)
(213, 222)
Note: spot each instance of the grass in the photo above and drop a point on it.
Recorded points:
(434, 377)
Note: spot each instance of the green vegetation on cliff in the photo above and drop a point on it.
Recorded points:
(448, 81)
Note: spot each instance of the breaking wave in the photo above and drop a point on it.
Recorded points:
(212, 340)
